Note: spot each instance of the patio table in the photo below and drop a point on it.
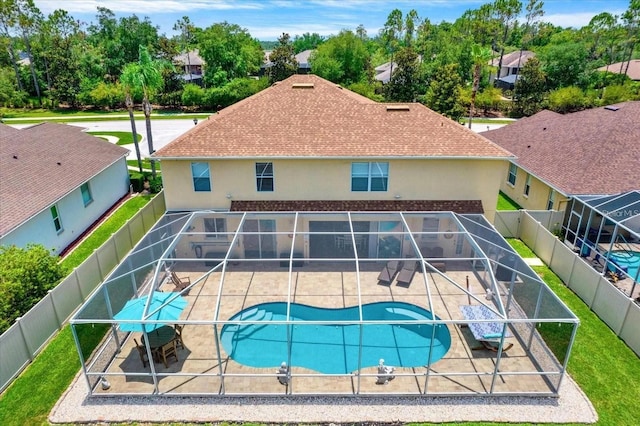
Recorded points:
(161, 336)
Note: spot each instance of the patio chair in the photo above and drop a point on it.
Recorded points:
(389, 271)
(142, 351)
(167, 351)
(178, 338)
(489, 334)
(180, 283)
(406, 273)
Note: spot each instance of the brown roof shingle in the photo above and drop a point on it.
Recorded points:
(633, 70)
(596, 151)
(456, 206)
(41, 164)
(307, 116)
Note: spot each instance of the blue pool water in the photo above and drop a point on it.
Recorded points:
(627, 260)
(334, 348)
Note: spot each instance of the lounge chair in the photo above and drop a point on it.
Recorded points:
(489, 334)
(389, 271)
(406, 273)
(180, 283)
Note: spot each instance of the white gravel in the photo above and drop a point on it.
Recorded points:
(75, 407)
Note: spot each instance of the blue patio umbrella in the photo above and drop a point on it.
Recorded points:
(163, 307)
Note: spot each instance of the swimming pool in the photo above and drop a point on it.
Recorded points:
(335, 348)
(628, 261)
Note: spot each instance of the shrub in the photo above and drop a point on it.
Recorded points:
(25, 277)
(568, 99)
(137, 181)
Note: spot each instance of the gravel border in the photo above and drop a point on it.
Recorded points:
(572, 406)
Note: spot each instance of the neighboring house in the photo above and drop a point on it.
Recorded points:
(595, 152)
(191, 65)
(512, 64)
(308, 144)
(304, 67)
(383, 72)
(55, 182)
(630, 68)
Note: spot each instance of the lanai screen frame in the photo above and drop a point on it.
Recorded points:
(158, 250)
(608, 218)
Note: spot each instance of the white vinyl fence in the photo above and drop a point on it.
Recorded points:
(30, 333)
(613, 307)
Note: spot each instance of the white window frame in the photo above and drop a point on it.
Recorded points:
(55, 216)
(263, 176)
(513, 172)
(527, 185)
(430, 224)
(374, 171)
(552, 199)
(201, 176)
(86, 189)
(215, 227)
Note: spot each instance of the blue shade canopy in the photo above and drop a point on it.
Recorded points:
(163, 307)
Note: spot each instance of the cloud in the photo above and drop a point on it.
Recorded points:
(575, 20)
(145, 7)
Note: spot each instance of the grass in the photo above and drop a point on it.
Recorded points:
(604, 367)
(506, 203)
(124, 138)
(104, 231)
(146, 164)
(30, 398)
(40, 115)
(487, 121)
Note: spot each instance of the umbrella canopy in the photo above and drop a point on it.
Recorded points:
(163, 307)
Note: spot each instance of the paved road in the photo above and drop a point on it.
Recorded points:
(163, 131)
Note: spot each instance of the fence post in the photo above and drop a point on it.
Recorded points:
(55, 311)
(24, 338)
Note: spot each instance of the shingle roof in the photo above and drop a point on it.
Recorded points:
(307, 116)
(456, 206)
(596, 151)
(633, 71)
(512, 59)
(41, 164)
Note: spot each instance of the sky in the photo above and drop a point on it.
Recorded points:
(268, 19)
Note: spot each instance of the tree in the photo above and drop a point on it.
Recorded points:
(307, 41)
(480, 57)
(145, 77)
(444, 94)
(342, 59)
(404, 85)
(25, 277)
(568, 99)
(506, 12)
(8, 20)
(631, 19)
(531, 88)
(565, 64)
(186, 38)
(283, 61)
(229, 52)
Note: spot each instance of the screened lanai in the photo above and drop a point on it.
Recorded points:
(324, 303)
(605, 230)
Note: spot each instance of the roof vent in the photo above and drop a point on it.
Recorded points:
(302, 86)
(612, 107)
(398, 107)
(15, 157)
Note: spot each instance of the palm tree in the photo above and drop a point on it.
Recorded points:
(128, 79)
(480, 56)
(145, 76)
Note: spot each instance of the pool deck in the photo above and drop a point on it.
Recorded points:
(467, 368)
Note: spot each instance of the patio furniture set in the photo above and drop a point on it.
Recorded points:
(164, 343)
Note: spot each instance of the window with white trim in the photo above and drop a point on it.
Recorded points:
(264, 177)
(86, 194)
(55, 215)
(513, 173)
(552, 199)
(527, 185)
(215, 227)
(430, 224)
(371, 176)
(201, 177)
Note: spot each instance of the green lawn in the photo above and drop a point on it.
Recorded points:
(146, 164)
(604, 367)
(124, 138)
(506, 203)
(38, 115)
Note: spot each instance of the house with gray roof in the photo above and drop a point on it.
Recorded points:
(55, 182)
(591, 152)
(630, 68)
